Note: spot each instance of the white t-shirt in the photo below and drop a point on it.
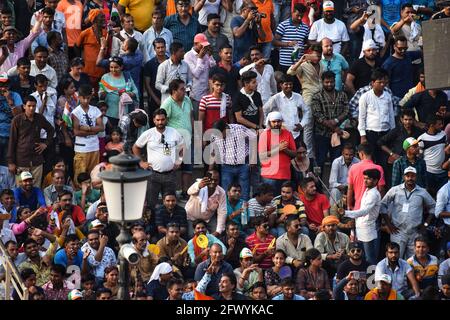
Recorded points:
(208, 8)
(161, 156)
(50, 110)
(59, 21)
(335, 31)
(88, 143)
(433, 151)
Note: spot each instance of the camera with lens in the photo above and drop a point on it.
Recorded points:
(259, 15)
(129, 252)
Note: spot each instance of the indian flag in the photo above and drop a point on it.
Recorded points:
(66, 115)
(115, 16)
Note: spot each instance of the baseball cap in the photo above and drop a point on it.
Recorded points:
(201, 38)
(75, 295)
(328, 6)
(25, 176)
(369, 44)
(355, 245)
(410, 170)
(385, 278)
(409, 142)
(246, 253)
(3, 77)
(95, 223)
(302, 215)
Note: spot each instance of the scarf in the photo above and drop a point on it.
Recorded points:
(249, 96)
(197, 249)
(162, 268)
(420, 87)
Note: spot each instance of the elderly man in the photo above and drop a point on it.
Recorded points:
(339, 173)
(58, 185)
(333, 245)
(276, 148)
(208, 201)
(148, 260)
(403, 208)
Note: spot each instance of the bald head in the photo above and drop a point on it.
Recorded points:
(327, 47)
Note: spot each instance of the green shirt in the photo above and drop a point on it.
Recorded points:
(91, 197)
(178, 117)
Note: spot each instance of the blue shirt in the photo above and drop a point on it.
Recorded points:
(281, 297)
(337, 64)
(391, 11)
(398, 276)
(61, 258)
(6, 114)
(182, 33)
(242, 44)
(36, 200)
(231, 209)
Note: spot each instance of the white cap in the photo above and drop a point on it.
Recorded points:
(25, 176)
(410, 170)
(328, 6)
(274, 115)
(385, 278)
(369, 44)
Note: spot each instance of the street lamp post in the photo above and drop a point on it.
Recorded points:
(125, 187)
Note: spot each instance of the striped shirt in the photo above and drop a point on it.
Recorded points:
(260, 246)
(428, 273)
(210, 105)
(255, 209)
(290, 32)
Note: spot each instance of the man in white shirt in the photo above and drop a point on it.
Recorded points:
(164, 156)
(339, 173)
(291, 105)
(59, 20)
(155, 31)
(265, 75)
(331, 28)
(128, 31)
(366, 216)
(376, 113)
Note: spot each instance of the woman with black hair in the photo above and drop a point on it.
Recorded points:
(313, 277)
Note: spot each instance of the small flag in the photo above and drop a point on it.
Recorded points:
(201, 296)
(115, 16)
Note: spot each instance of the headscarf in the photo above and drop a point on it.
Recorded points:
(93, 13)
(330, 220)
(272, 116)
(162, 268)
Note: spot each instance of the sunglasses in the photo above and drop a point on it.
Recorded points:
(355, 250)
(163, 139)
(265, 226)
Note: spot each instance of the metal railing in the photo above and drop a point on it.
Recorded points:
(12, 276)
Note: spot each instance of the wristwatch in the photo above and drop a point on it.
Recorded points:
(425, 224)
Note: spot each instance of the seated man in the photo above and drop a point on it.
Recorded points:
(260, 241)
(288, 293)
(170, 212)
(235, 242)
(248, 273)
(196, 253)
(425, 265)
(383, 290)
(27, 195)
(236, 206)
(259, 206)
(58, 185)
(147, 262)
(208, 202)
(339, 172)
(87, 195)
(39, 263)
(64, 208)
(286, 198)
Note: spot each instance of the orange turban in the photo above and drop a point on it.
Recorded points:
(330, 220)
(93, 13)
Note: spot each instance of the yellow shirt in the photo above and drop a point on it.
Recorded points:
(141, 10)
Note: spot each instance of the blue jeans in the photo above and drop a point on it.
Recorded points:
(436, 181)
(275, 183)
(266, 49)
(4, 141)
(282, 11)
(323, 145)
(240, 174)
(371, 249)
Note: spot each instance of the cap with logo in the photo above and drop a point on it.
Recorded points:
(385, 278)
(3, 77)
(201, 38)
(246, 253)
(410, 170)
(75, 295)
(409, 142)
(25, 176)
(328, 6)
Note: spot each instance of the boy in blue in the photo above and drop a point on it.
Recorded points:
(71, 254)
(288, 287)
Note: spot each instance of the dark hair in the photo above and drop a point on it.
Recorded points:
(310, 255)
(169, 193)
(259, 221)
(421, 239)
(70, 238)
(132, 44)
(83, 176)
(157, 11)
(117, 60)
(24, 61)
(174, 85)
(49, 11)
(116, 130)
(158, 40)
(102, 290)
(29, 241)
(160, 112)
(316, 48)
(234, 185)
(232, 277)
(328, 75)
(196, 222)
(87, 277)
(286, 78)
(29, 99)
(248, 76)
(372, 174)
(306, 181)
(280, 251)
(10, 242)
(408, 112)
(287, 282)
(93, 231)
(392, 245)
(445, 280)
(65, 193)
(263, 188)
(400, 39)
(76, 62)
(85, 90)
(287, 184)
(55, 171)
(348, 146)
(140, 117)
(218, 77)
(231, 223)
(322, 295)
(59, 268)
(300, 8)
(26, 273)
(40, 49)
(291, 218)
(51, 36)
(6, 10)
(212, 16)
(255, 47)
(65, 84)
(256, 285)
(366, 149)
(225, 46)
(406, 5)
(172, 282)
(8, 192)
(378, 74)
(220, 125)
(432, 119)
(40, 79)
(175, 46)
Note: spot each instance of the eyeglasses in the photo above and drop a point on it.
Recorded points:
(355, 250)
(402, 48)
(118, 60)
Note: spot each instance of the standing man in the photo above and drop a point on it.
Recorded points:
(164, 155)
(443, 209)
(403, 209)
(151, 71)
(334, 62)
(155, 31)
(276, 148)
(25, 147)
(172, 68)
(410, 159)
(376, 113)
(265, 11)
(331, 28)
(330, 109)
(140, 10)
(215, 37)
(200, 61)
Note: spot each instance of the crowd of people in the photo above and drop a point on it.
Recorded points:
(324, 157)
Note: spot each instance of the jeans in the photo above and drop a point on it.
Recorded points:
(240, 174)
(323, 145)
(371, 249)
(266, 49)
(3, 150)
(275, 183)
(436, 181)
(159, 183)
(282, 11)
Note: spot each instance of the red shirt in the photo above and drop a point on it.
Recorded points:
(356, 178)
(253, 241)
(278, 165)
(315, 208)
(78, 216)
(211, 106)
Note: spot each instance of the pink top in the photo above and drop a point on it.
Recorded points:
(19, 51)
(356, 178)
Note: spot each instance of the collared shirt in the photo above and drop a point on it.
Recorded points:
(47, 71)
(398, 276)
(181, 32)
(324, 245)
(443, 202)
(281, 297)
(354, 101)
(59, 20)
(433, 146)
(290, 32)
(6, 112)
(98, 267)
(51, 195)
(234, 149)
(42, 271)
(149, 36)
(267, 86)
(325, 108)
(402, 163)
(58, 60)
(57, 294)
(164, 217)
(179, 117)
(200, 70)
(259, 246)
(406, 208)
(136, 35)
(231, 209)
(50, 109)
(425, 104)
(339, 171)
(161, 156)
(7, 180)
(292, 251)
(168, 71)
(337, 64)
(289, 108)
(19, 51)
(24, 135)
(376, 113)
(41, 40)
(232, 78)
(167, 249)
(428, 272)
(216, 205)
